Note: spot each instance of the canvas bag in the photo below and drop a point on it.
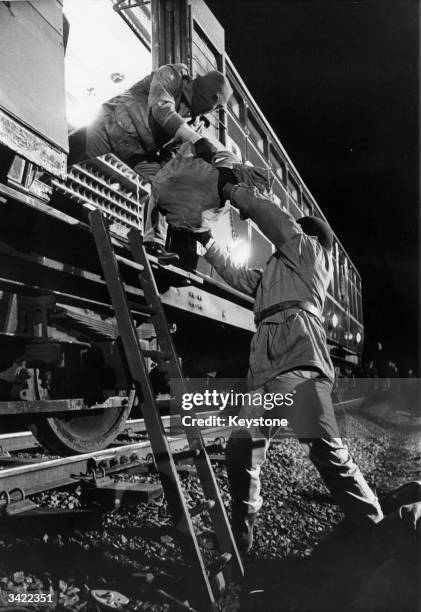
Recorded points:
(186, 188)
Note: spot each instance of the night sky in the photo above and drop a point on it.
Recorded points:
(338, 81)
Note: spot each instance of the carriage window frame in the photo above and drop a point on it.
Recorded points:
(139, 20)
(306, 205)
(293, 188)
(278, 165)
(254, 128)
(239, 100)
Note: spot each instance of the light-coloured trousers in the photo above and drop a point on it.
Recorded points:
(156, 227)
(311, 416)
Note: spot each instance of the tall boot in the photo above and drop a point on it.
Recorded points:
(244, 488)
(242, 526)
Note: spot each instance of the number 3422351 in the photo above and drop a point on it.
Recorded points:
(28, 598)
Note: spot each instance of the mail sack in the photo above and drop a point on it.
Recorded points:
(185, 188)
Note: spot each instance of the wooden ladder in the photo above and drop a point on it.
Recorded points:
(208, 589)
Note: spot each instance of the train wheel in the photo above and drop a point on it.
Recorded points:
(72, 435)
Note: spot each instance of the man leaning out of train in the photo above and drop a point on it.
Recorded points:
(138, 125)
(289, 354)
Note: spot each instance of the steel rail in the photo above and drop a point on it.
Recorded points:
(24, 440)
(47, 474)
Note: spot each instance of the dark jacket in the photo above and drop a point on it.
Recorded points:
(145, 117)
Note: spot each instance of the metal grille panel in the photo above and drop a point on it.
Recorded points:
(106, 183)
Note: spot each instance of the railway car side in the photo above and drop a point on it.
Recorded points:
(61, 368)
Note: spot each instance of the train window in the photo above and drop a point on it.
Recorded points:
(343, 279)
(351, 290)
(236, 134)
(306, 206)
(138, 17)
(357, 290)
(235, 104)
(278, 166)
(256, 133)
(293, 188)
(103, 58)
(336, 269)
(205, 59)
(295, 211)
(360, 307)
(204, 55)
(279, 191)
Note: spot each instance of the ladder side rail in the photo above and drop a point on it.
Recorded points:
(194, 436)
(164, 460)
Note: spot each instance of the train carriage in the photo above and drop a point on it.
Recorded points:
(55, 312)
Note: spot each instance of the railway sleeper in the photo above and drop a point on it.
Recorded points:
(114, 495)
(18, 508)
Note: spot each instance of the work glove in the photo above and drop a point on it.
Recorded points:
(203, 237)
(226, 176)
(205, 150)
(167, 152)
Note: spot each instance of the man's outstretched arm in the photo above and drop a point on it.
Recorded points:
(276, 224)
(241, 278)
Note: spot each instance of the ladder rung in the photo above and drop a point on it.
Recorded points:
(158, 355)
(186, 469)
(219, 564)
(208, 504)
(142, 308)
(163, 404)
(215, 448)
(130, 263)
(186, 454)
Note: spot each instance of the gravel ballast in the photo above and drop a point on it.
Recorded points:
(133, 551)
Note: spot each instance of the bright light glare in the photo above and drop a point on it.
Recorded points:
(335, 320)
(240, 252)
(100, 47)
(358, 337)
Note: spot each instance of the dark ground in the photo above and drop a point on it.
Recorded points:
(287, 562)
(352, 572)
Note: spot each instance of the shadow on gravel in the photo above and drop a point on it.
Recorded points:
(340, 577)
(352, 571)
(132, 572)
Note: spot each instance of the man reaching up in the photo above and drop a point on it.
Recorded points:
(288, 354)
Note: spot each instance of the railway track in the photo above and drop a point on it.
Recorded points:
(24, 440)
(34, 473)
(23, 476)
